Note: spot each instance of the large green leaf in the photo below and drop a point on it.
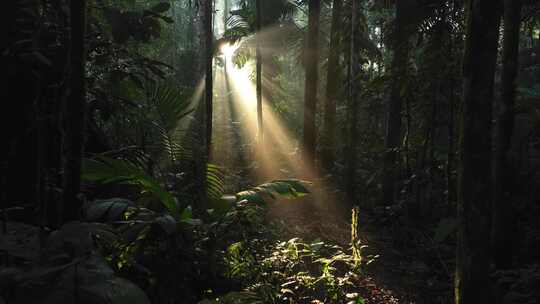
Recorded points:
(107, 170)
(214, 182)
(107, 210)
(287, 188)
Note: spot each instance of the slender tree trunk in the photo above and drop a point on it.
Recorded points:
(74, 114)
(352, 107)
(203, 129)
(259, 74)
(450, 184)
(191, 33)
(502, 185)
(474, 174)
(332, 86)
(208, 86)
(312, 77)
(225, 14)
(393, 123)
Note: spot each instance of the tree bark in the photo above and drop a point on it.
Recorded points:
(208, 60)
(393, 119)
(259, 73)
(311, 55)
(474, 173)
(75, 117)
(352, 107)
(332, 78)
(203, 129)
(502, 173)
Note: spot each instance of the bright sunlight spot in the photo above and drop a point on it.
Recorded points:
(228, 49)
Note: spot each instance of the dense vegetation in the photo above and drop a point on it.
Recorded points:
(270, 151)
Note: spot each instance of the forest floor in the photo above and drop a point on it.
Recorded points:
(394, 275)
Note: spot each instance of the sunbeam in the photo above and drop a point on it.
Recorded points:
(279, 155)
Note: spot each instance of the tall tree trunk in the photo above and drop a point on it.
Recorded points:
(74, 114)
(450, 184)
(259, 73)
(208, 60)
(225, 14)
(393, 118)
(502, 173)
(311, 55)
(332, 78)
(203, 127)
(474, 174)
(352, 107)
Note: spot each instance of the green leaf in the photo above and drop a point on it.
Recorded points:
(166, 19)
(186, 214)
(287, 188)
(107, 170)
(251, 196)
(220, 207)
(107, 210)
(214, 180)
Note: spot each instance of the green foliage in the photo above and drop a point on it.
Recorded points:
(168, 107)
(106, 170)
(107, 210)
(139, 25)
(287, 188)
(214, 182)
(295, 272)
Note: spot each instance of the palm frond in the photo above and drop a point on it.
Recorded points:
(169, 106)
(287, 188)
(214, 181)
(237, 28)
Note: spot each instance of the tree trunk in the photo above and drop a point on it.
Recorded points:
(225, 14)
(474, 174)
(502, 184)
(352, 107)
(208, 60)
(259, 73)
(311, 55)
(203, 128)
(332, 78)
(74, 122)
(450, 184)
(393, 119)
